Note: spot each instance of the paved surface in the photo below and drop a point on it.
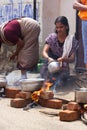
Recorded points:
(33, 119)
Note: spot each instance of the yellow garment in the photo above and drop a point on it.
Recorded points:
(83, 14)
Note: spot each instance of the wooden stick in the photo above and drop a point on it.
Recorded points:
(50, 113)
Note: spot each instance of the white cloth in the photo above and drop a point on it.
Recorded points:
(67, 46)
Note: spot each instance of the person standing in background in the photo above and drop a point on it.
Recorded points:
(81, 6)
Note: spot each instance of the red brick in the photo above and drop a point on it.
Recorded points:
(51, 103)
(47, 94)
(64, 106)
(17, 95)
(67, 115)
(73, 106)
(18, 102)
(11, 92)
(24, 95)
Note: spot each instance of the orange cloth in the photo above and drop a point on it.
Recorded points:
(83, 14)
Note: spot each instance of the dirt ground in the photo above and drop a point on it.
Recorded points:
(34, 119)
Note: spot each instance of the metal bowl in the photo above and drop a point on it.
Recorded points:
(32, 84)
(53, 66)
(81, 95)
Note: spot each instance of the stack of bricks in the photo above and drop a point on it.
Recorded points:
(11, 92)
(47, 100)
(71, 113)
(19, 98)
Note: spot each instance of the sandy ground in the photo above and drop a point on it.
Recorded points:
(33, 119)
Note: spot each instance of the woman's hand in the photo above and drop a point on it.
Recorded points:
(50, 59)
(12, 57)
(67, 59)
(62, 59)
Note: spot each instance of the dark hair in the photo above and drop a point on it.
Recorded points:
(64, 21)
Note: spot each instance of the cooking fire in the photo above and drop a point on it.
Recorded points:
(43, 92)
(44, 96)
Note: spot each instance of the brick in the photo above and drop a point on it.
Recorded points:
(47, 94)
(11, 92)
(73, 106)
(51, 103)
(19, 102)
(67, 115)
(64, 106)
(24, 95)
(17, 95)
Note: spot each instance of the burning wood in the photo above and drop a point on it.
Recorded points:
(49, 113)
(36, 94)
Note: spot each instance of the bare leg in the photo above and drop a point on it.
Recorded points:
(23, 74)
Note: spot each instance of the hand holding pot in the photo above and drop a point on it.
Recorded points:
(50, 59)
(62, 59)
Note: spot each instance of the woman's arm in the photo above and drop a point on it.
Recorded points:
(45, 53)
(67, 59)
(79, 6)
(20, 45)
